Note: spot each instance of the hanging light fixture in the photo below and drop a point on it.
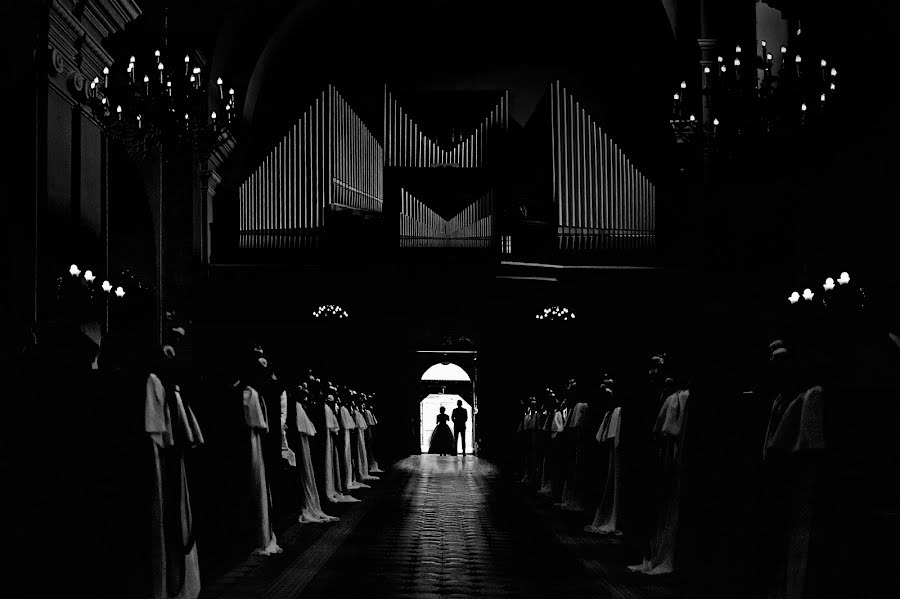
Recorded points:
(330, 311)
(555, 313)
(148, 113)
(760, 107)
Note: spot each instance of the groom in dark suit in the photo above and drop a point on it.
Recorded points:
(459, 418)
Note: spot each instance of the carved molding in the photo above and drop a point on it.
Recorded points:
(75, 36)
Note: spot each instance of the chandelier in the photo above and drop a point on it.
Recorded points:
(775, 92)
(555, 313)
(160, 98)
(330, 311)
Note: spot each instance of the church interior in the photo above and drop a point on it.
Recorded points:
(451, 299)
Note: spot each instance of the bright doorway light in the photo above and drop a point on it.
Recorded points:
(430, 407)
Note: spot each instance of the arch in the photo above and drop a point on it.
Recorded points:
(446, 371)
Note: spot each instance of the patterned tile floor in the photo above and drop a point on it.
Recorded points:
(455, 528)
(447, 527)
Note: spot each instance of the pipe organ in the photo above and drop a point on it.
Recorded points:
(420, 226)
(328, 158)
(408, 146)
(603, 201)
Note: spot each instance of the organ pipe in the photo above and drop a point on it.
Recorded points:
(327, 155)
(603, 199)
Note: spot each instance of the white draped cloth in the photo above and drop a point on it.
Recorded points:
(362, 458)
(348, 424)
(370, 439)
(333, 485)
(286, 452)
(795, 434)
(571, 496)
(607, 516)
(312, 507)
(257, 424)
(555, 425)
(158, 424)
(671, 424)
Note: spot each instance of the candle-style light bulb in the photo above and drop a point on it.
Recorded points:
(684, 85)
(193, 79)
(722, 68)
(794, 297)
(147, 83)
(119, 111)
(120, 292)
(784, 49)
(706, 70)
(844, 278)
(169, 88)
(74, 270)
(89, 276)
(160, 68)
(158, 56)
(803, 107)
(106, 286)
(105, 76)
(139, 122)
(833, 72)
(187, 64)
(692, 118)
(737, 62)
(763, 43)
(831, 87)
(768, 57)
(213, 115)
(720, 59)
(822, 98)
(829, 284)
(131, 60)
(808, 294)
(737, 49)
(676, 96)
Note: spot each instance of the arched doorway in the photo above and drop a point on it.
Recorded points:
(446, 384)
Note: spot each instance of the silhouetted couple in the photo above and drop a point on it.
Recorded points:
(443, 440)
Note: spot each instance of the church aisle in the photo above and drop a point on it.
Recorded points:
(456, 528)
